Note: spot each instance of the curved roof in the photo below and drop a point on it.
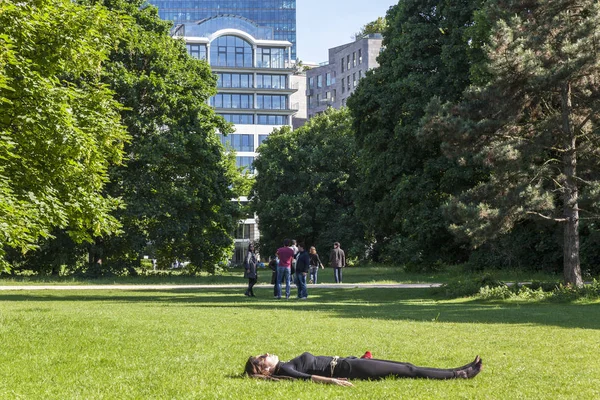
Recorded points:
(208, 26)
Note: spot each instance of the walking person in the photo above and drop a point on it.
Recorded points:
(337, 260)
(250, 273)
(285, 255)
(315, 263)
(302, 267)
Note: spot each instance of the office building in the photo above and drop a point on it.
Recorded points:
(330, 84)
(254, 87)
(280, 15)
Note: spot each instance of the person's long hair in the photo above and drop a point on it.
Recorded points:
(254, 369)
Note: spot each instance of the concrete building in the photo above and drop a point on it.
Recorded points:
(332, 82)
(255, 86)
(280, 15)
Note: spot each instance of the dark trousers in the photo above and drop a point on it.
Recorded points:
(364, 368)
(301, 283)
(251, 283)
(337, 275)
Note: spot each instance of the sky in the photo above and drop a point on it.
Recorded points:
(323, 24)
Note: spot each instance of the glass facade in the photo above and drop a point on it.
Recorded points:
(245, 163)
(232, 80)
(231, 51)
(247, 119)
(266, 119)
(277, 14)
(232, 100)
(238, 142)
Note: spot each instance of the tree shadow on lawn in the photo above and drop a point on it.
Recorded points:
(384, 304)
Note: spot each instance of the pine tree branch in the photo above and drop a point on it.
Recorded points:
(585, 121)
(583, 180)
(547, 217)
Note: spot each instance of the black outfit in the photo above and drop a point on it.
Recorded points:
(305, 365)
(315, 261)
(303, 262)
(273, 266)
(250, 273)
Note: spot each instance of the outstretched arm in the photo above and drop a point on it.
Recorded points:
(333, 381)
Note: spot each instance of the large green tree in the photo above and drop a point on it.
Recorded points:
(305, 185)
(404, 178)
(59, 124)
(177, 181)
(533, 123)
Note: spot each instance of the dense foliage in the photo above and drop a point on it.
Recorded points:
(67, 119)
(404, 178)
(59, 124)
(533, 124)
(177, 179)
(305, 186)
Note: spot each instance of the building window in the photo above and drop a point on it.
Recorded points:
(318, 98)
(264, 81)
(348, 62)
(227, 80)
(342, 62)
(354, 59)
(230, 51)
(354, 79)
(262, 138)
(247, 119)
(244, 231)
(197, 51)
(328, 79)
(359, 74)
(271, 57)
(245, 163)
(359, 56)
(348, 82)
(271, 102)
(334, 95)
(232, 100)
(320, 81)
(343, 86)
(238, 142)
(265, 119)
(311, 82)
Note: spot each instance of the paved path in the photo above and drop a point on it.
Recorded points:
(200, 287)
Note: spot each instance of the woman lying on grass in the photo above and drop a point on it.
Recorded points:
(337, 370)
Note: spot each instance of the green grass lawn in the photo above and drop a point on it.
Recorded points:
(369, 273)
(192, 344)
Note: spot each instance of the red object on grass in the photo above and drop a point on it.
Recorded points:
(367, 355)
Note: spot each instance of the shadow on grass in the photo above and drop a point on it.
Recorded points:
(384, 304)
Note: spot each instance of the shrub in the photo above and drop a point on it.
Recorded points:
(495, 293)
(469, 287)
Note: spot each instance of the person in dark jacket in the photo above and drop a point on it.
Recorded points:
(302, 268)
(337, 370)
(315, 263)
(250, 272)
(273, 262)
(337, 260)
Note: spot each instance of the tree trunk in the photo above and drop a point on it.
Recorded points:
(572, 267)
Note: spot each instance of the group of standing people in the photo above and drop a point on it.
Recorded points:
(293, 261)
